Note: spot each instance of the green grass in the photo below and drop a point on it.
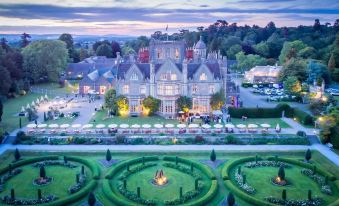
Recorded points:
(10, 120)
(272, 121)
(62, 120)
(100, 118)
(260, 178)
(319, 160)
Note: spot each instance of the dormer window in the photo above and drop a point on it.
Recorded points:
(203, 77)
(174, 77)
(134, 76)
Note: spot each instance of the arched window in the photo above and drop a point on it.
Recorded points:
(203, 77)
(134, 76)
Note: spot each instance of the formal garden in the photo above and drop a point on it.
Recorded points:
(166, 178)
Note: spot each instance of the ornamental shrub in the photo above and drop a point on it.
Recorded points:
(213, 156)
(91, 199)
(230, 199)
(17, 154)
(108, 155)
(42, 172)
(283, 195)
(308, 155)
(281, 173)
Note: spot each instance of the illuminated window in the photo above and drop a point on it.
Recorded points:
(194, 88)
(173, 76)
(177, 53)
(163, 76)
(125, 89)
(134, 76)
(203, 77)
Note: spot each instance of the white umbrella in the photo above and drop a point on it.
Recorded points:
(158, 126)
(112, 125)
(193, 126)
(252, 126)
(64, 126)
(241, 126)
(42, 125)
(31, 126)
(41, 98)
(86, 126)
(33, 105)
(46, 97)
(37, 101)
(22, 109)
(53, 126)
(76, 125)
(217, 112)
(265, 125)
(181, 125)
(218, 126)
(181, 112)
(100, 126)
(146, 126)
(135, 126)
(229, 125)
(124, 126)
(169, 125)
(206, 126)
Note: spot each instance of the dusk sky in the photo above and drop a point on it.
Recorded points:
(143, 17)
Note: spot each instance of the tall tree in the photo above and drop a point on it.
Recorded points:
(317, 71)
(4, 45)
(294, 67)
(1, 110)
(110, 98)
(104, 50)
(115, 48)
(290, 50)
(83, 54)
(25, 39)
(40, 68)
(150, 105)
(331, 63)
(292, 85)
(217, 100)
(184, 103)
(6, 81)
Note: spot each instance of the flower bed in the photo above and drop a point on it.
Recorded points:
(247, 188)
(320, 180)
(54, 163)
(75, 188)
(266, 163)
(42, 181)
(46, 199)
(313, 202)
(186, 196)
(4, 178)
(138, 168)
(182, 169)
(134, 197)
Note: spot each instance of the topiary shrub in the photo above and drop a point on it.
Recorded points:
(301, 134)
(213, 156)
(230, 199)
(108, 155)
(17, 155)
(308, 155)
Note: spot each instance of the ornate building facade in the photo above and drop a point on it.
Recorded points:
(165, 70)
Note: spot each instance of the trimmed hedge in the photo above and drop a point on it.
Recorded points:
(28, 161)
(242, 195)
(75, 196)
(123, 164)
(106, 188)
(207, 197)
(90, 164)
(230, 164)
(303, 117)
(205, 169)
(305, 165)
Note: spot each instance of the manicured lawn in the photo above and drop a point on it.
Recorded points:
(272, 121)
(100, 118)
(59, 121)
(12, 107)
(263, 175)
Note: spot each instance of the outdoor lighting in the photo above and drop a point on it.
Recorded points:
(295, 119)
(320, 119)
(324, 98)
(278, 179)
(159, 178)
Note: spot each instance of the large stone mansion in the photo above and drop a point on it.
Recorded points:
(164, 70)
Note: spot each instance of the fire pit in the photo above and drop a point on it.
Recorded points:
(159, 179)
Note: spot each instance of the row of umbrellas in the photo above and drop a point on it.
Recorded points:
(147, 126)
(34, 103)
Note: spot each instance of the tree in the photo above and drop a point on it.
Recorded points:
(290, 50)
(281, 173)
(230, 199)
(4, 45)
(17, 155)
(42, 172)
(115, 48)
(122, 104)
(104, 50)
(108, 155)
(150, 105)
(292, 85)
(184, 103)
(110, 98)
(294, 67)
(331, 63)
(83, 54)
(1, 110)
(6, 81)
(262, 49)
(13, 61)
(213, 156)
(246, 62)
(317, 71)
(232, 51)
(91, 199)
(46, 67)
(68, 39)
(308, 155)
(217, 100)
(24, 40)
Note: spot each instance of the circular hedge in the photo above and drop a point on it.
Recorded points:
(233, 165)
(83, 191)
(169, 163)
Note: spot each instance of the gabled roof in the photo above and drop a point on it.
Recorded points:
(214, 68)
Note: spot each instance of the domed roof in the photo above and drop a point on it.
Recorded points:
(200, 44)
